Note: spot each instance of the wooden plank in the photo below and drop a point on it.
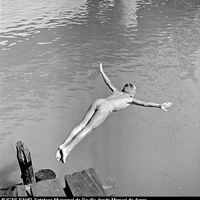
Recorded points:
(84, 183)
(5, 192)
(25, 163)
(109, 186)
(8, 191)
(21, 191)
(51, 187)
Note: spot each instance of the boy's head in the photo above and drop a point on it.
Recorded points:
(129, 88)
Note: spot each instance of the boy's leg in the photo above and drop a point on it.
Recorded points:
(76, 130)
(96, 120)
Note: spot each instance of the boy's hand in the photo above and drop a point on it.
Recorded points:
(101, 67)
(166, 105)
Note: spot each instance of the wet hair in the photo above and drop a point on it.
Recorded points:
(130, 85)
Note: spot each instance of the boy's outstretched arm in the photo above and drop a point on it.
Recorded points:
(162, 106)
(107, 80)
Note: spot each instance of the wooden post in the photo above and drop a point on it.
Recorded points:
(25, 163)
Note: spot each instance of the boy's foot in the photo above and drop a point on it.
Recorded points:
(61, 154)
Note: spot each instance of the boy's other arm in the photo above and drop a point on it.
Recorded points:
(163, 106)
(107, 80)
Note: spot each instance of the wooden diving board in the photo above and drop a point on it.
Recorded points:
(84, 183)
(51, 187)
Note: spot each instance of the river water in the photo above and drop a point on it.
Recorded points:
(49, 75)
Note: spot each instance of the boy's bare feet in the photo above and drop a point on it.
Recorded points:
(61, 154)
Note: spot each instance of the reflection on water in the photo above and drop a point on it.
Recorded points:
(49, 57)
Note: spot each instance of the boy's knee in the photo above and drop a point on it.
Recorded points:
(89, 130)
(79, 127)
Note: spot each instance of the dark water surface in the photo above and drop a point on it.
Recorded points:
(49, 75)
